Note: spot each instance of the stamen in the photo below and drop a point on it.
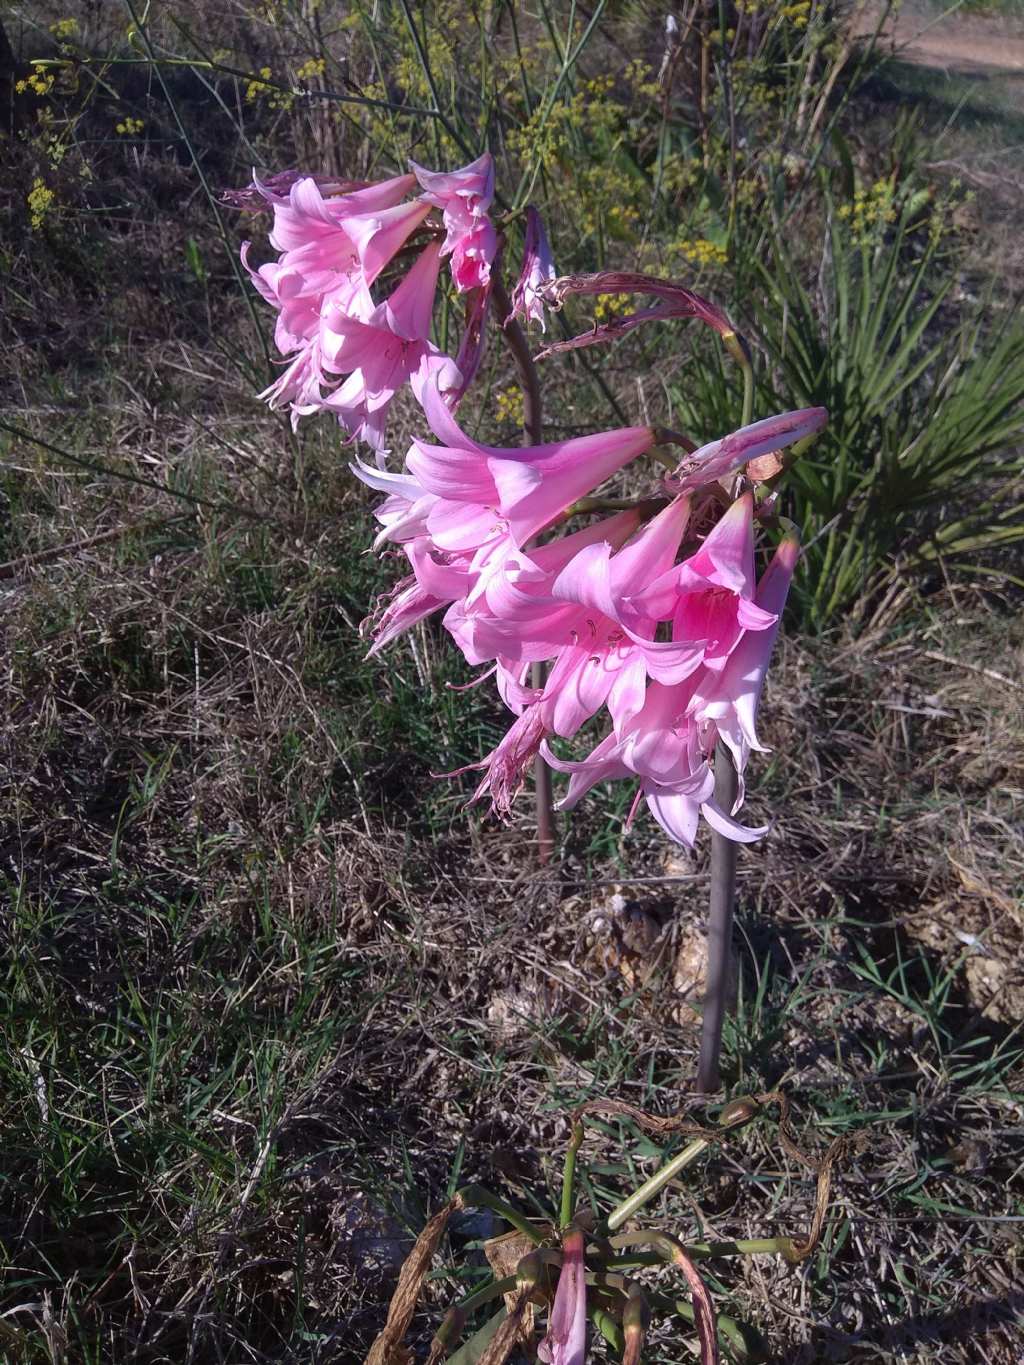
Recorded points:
(474, 682)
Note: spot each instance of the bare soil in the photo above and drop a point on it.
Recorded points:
(964, 42)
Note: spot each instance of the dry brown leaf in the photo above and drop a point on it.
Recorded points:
(388, 1348)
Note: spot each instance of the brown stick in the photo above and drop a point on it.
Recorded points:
(12, 567)
(720, 910)
(388, 1348)
(533, 430)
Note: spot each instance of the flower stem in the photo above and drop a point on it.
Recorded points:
(748, 394)
(532, 427)
(740, 352)
(723, 850)
(569, 1175)
(624, 1211)
(720, 912)
(478, 1197)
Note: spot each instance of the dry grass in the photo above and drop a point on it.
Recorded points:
(268, 983)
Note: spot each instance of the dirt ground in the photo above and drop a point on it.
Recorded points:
(962, 41)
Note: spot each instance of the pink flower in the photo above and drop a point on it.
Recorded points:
(332, 249)
(464, 196)
(479, 569)
(599, 616)
(379, 347)
(467, 509)
(723, 457)
(595, 624)
(261, 194)
(324, 240)
(602, 627)
(667, 743)
(473, 256)
(510, 615)
(598, 619)
(729, 700)
(663, 746)
(710, 595)
(538, 270)
(566, 1340)
(527, 487)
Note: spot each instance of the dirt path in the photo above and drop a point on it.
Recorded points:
(969, 43)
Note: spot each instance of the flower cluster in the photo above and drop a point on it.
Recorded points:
(652, 616)
(39, 200)
(348, 347)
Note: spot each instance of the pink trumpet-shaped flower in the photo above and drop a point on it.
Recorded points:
(664, 748)
(327, 238)
(666, 743)
(466, 495)
(510, 614)
(599, 617)
(598, 620)
(259, 196)
(440, 577)
(606, 647)
(718, 459)
(710, 596)
(538, 271)
(380, 348)
(565, 1342)
(470, 577)
(473, 257)
(464, 196)
(528, 487)
(332, 249)
(594, 622)
(323, 240)
(729, 700)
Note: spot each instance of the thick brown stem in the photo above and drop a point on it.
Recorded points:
(530, 384)
(723, 895)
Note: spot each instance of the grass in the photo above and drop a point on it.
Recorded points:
(267, 985)
(270, 992)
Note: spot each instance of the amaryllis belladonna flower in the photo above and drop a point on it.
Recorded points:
(333, 248)
(565, 1342)
(538, 271)
(599, 620)
(723, 457)
(464, 196)
(468, 493)
(729, 699)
